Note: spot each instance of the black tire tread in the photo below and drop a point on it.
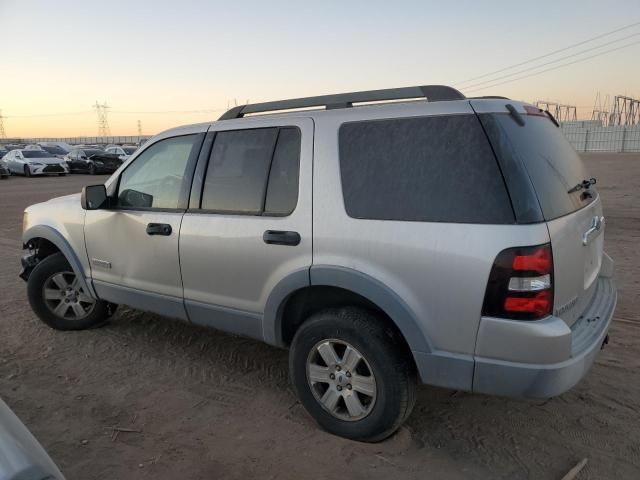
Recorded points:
(43, 270)
(373, 332)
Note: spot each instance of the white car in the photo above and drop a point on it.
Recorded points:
(123, 152)
(34, 162)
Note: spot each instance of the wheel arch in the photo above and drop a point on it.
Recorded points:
(361, 288)
(55, 242)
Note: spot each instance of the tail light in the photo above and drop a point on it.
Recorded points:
(520, 284)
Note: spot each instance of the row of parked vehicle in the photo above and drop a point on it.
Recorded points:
(59, 158)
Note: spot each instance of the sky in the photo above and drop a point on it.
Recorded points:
(168, 63)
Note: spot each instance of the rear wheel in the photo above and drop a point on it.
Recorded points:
(352, 374)
(58, 298)
(27, 171)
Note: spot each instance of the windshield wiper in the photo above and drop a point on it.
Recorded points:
(583, 185)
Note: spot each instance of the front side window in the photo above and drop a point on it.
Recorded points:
(156, 178)
(253, 172)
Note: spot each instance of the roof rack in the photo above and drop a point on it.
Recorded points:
(432, 93)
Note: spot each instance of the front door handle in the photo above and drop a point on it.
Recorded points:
(279, 237)
(163, 229)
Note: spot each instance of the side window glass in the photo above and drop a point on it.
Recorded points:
(238, 169)
(282, 191)
(156, 178)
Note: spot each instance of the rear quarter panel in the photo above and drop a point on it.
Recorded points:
(439, 269)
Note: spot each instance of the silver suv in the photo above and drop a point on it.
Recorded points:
(382, 238)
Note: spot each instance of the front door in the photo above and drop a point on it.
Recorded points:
(249, 222)
(133, 245)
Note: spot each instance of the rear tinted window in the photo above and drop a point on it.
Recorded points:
(551, 163)
(432, 169)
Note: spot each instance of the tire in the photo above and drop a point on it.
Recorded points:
(42, 280)
(61, 174)
(27, 171)
(92, 169)
(384, 357)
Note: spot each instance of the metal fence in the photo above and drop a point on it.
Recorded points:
(130, 139)
(591, 136)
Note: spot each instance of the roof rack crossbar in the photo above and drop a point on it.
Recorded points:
(433, 93)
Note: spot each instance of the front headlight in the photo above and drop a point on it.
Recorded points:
(36, 163)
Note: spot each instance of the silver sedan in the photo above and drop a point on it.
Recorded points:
(34, 162)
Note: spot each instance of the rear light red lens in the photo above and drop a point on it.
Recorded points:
(538, 261)
(539, 304)
(520, 284)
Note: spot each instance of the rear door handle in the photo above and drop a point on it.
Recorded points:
(163, 229)
(279, 237)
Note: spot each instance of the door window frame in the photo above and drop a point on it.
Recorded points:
(187, 180)
(199, 179)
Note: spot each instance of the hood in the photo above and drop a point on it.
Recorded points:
(74, 199)
(45, 160)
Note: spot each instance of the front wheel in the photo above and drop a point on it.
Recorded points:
(27, 171)
(352, 374)
(57, 297)
(92, 169)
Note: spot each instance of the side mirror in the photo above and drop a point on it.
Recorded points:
(93, 197)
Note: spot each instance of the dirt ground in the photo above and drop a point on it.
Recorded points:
(208, 405)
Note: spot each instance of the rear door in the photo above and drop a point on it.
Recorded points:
(249, 222)
(573, 212)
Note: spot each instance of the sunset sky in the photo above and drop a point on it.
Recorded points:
(168, 63)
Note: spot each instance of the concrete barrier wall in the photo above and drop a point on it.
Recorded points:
(589, 136)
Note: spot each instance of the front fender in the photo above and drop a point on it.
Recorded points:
(56, 238)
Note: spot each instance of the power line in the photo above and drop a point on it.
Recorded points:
(552, 61)
(59, 114)
(552, 53)
(556, 67)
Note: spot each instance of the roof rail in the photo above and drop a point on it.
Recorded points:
(433, 93)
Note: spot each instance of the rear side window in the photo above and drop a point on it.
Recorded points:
(430, 169)
(550, 162)
(253, 172)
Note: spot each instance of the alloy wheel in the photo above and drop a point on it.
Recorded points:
(341, 379)
(65, 297)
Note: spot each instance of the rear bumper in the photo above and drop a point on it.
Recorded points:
(580, 345)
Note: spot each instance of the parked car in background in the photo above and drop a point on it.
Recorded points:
(92, 161)
(33, 146)
(21, 456)
(34, 162)
(3, 151)
(63, 145)
(54, 150)
(124, 151)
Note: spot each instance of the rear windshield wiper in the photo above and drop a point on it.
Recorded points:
(583, 185)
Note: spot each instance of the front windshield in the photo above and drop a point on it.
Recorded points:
(54, 150)
(36, 154)
(92, 152)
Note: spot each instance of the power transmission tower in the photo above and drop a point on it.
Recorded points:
(2, 132)
(626, 111)
(103, 122)
(601, 111)
(561, 112)
(139, 128)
